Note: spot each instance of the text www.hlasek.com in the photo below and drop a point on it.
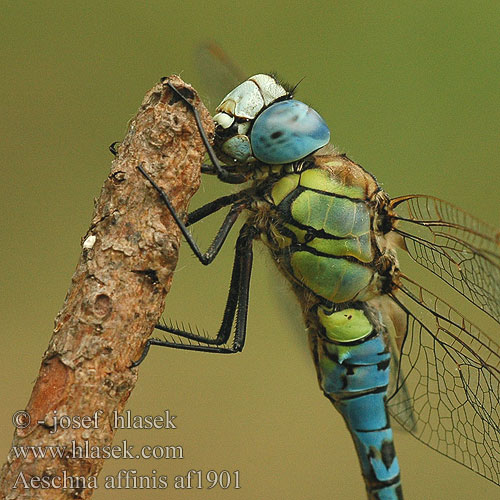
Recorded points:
(86, 451)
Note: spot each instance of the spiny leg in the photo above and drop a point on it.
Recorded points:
(241, 268)
(236, 305)
(237, 301)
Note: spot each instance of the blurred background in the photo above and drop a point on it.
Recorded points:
(410, 91)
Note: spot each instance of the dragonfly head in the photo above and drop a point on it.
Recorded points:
(237, 112)
(259, 121)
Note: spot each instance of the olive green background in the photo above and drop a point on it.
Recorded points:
(409, 89)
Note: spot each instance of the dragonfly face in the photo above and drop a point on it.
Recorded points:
(259, 120)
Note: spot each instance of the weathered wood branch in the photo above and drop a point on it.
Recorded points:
(116, 296)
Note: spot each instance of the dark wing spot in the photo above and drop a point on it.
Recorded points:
(277, 134)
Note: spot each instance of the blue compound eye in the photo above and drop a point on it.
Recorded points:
(287, 131)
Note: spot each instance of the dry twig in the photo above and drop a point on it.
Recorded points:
(116, 296)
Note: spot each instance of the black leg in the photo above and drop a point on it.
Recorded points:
(238, 296)
(206, 168)
(214, 206)
(238, 206)
(223, 174)
(112, 148)
(236, 305)
(245, 256)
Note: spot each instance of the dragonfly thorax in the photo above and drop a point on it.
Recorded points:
(319, 222)
(259, 121)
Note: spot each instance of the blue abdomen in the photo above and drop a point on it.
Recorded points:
(354, 375)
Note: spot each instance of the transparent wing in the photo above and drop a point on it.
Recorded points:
(219, 72)
(449, 375)
(395, 320)
(455, 246)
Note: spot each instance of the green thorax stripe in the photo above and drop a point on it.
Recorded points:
(330, 224)
(340, 217)
(337, 280)
(314, 179)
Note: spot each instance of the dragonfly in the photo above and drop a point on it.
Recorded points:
(384, 346)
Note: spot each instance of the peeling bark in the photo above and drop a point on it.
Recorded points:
(116, 296)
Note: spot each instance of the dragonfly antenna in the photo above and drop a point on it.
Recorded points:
(296, 85)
